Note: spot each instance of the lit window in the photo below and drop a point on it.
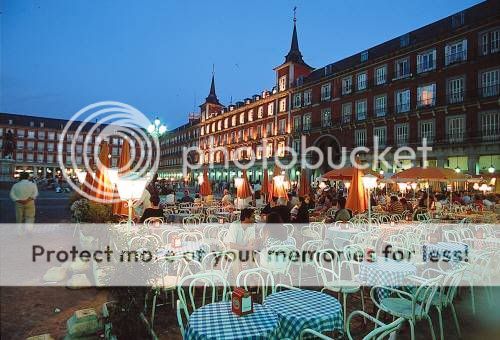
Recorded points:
(282, 83)
(380, 134)
(270, 109)
(426, 95)
(283, 105)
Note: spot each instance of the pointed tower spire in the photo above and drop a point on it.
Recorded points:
(212, 97)
(294, 54)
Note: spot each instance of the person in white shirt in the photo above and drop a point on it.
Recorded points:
(226, 199)
(23, 193)
(241, 235)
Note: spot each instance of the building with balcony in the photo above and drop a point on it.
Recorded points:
(440, 82)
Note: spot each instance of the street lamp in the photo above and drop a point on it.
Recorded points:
(130, 188)
(81, 174)
(113, 175)
(347, 185)
(157, 128)
(475, 186)
(370, 183)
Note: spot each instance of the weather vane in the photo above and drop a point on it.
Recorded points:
(294, 13)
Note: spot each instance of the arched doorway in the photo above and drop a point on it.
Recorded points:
(330, 147)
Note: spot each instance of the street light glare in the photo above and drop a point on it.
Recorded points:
(151, 128)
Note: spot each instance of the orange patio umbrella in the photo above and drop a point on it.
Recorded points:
(89, 179)
(206, 187)
(265, 184)
(347, 173)
(103, 189)
(278, 189)
(120, 208)
(357, 199)
(431, 174)
(244, 191)
(303, 184)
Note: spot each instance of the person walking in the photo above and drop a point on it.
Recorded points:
(23, 193)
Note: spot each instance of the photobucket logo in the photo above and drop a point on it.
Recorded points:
(307, 157)
(82, 137)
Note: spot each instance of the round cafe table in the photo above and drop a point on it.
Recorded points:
(217, 321)
(299, 309)
(385, 272)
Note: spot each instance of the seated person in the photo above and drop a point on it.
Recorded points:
(197, 198)
(406, 205)
(186, 198)
(274, 234)
(226, 199)
(395, 206)
(153, 211)
(241, 234)
(281, 209)
(342, 214)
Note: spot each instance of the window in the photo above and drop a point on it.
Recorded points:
(401, 133)
(307, 97)
(282, 127)
(404, 40)
(30, 145)
(402, 68)
(364, 56)
(238, 139)
(233, 121)
(281, 149)
(426, 61)
(269, 129)
(306, 122)
(29, 157)
(50, 158)
(490, 125)
(19, 156)
(346, 85)
(426, 130)
(360, 137)
(41, 145)
(296, 146)
(361, 81)
(381, 75)
(490, 83)
(260, 112)
(50, 147)
(283, 105)
(457, 19)
(242, 118)
(297, 100)
(426, 95)
(455, 89)
(490, 42)
(226, 123)
(39, 157)
(31, 134)
(20, 133)
(250, 116)
(402, 101)
(455, 128)
(346, 112)
(51, 135)
(270, 109)
(282, 83)
(297, 120)
(380, 134)
(219, 125)
(361, 109)
(41, 134)
(380, 106)
(326, 118)
(456, 52)
(259, 131)
(325, 92)
(269, 150)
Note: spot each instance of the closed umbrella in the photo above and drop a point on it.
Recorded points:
(265, 184)
(89, 179)
(303, 184)
(244, 190)
(357, 199)
(102, 184)
(120, 208)
(206, 187)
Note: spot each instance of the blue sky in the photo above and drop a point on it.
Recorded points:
(157, 55)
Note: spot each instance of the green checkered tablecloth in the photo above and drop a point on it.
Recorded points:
(300, 309)
(385, 272)
(217, 321)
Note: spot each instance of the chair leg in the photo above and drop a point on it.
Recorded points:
(377, 317)
(363, 304)
(472, 299)
(344, 299)
(440, 316)
(300, 276)
(431, 327)
(412, 330)
(153, 310)
(455, 318)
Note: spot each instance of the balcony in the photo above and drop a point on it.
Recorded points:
(454, 58)
(455, 97)
(489, 91)
(426, 102)
(326, 123)
(380, 111)
(488, 49)
(362, 85)
(402, 74)
(427, 66)
(402, 108)
(456, 137)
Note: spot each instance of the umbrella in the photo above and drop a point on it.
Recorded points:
(303, 184)
(244, 191)
(206, 187)
(431, 174)
(89, 179)
(120, 208)
(277, 189)
(265, 184)
(357, 199)
(102, 185)
(347, 173)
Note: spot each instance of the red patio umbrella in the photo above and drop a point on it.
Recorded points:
(357, 199)
(120, 208)
(206, 187)
(303, 184)
(244, 191)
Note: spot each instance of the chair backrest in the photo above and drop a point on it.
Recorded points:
(277, 258)
(256, 277)
(289, 229)
(327, 264)
(452, 235)
(208, 282)
(194, 236)
(425, 293)
(219, 261)
(153, 221)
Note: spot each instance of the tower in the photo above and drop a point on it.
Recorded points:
(211, 104)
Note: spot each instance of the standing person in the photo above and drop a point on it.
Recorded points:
(23, 193)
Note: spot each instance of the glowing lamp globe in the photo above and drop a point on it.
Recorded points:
(162, 129)
(113, 175)
(347, 184)
(402, 187)
(369, 181)
(475, 186)
(491, 169)
(200, 179)
(151, 128)
(81, 174)
(131, 186)
(238, 182)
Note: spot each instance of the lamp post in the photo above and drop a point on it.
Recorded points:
(369, 182)
(157, 128)
(130, 188)
(81, 174)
